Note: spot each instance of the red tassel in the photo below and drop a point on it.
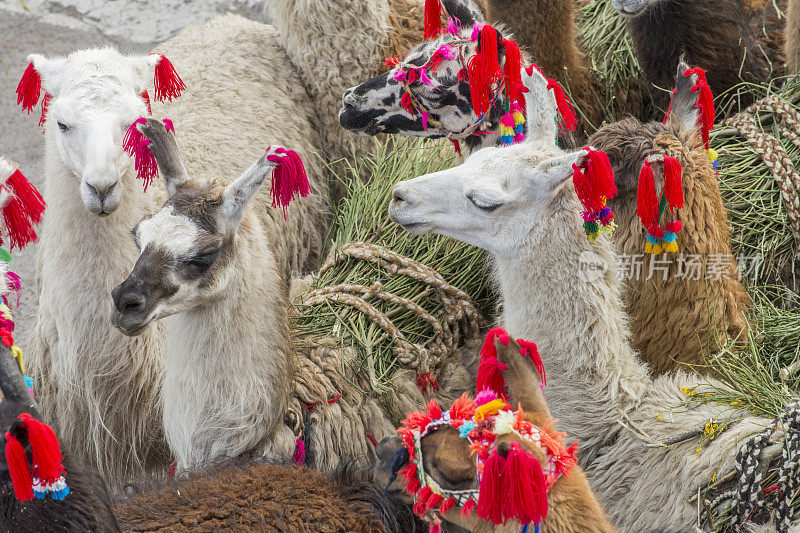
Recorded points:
(407, 104)
(18, 223)
(483, 70)
(434, 410)
(525, 487)
(565, 109)
(467, 509)
(45, 449)
(448, 504)
(491, 490)
(463, 408)
(511, 71)
(409, 473)
(433, 501)
(168, 84)
(597, 183)
(647, 202)
(671, 101)
(45, 104)
(490, 376)
(29, 88)
(417, 420)
(421, 501)
(135, 145)
(456, 146)
(18, 469)
(673, 188)
(32, 201)
(288, 179)
(674, 226)
(146, 97)
(433, 19)
(705, 102)
(530, 349)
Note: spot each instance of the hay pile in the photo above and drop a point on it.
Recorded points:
(328, 314)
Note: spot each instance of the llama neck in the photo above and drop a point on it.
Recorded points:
(579, 326)
(229, 363)
(334, 45)
(714, 34)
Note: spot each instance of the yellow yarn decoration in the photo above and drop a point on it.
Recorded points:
(712, 154)
(17, 354)
(654, 249)
(489, 409)
(670, 247)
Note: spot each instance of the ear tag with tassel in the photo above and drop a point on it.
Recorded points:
(594, 184)
(651, 209)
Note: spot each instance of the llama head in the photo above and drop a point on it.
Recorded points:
(493, 200)
(188, 247)
(429, 94)
(91, 97)
(631, 8)
(449, 454)
(628, 141)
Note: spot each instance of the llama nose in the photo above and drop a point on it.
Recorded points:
(127, 301)
(349, 98)
(397, 196)
(102, 191)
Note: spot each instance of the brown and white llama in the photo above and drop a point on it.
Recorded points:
(519, 204)
(448, 457)
(721, 35)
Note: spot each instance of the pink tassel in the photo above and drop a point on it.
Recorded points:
(289, 178)
(565, 109)
(299, 456)
(425, 120)
(14, 285)
(452, 28)
(169, 126)
(29, 88)
(168, 84)
(135, 145)
(647, 202)
(673, 188)
(524, 487)
(484, 396)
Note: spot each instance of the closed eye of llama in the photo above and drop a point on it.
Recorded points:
(519, 204)
(465, 85)
(527, 474)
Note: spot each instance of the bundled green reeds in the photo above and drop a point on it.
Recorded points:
(363, 217)
(757, 212)
(603, 36)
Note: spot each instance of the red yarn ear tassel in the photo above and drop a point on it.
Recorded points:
(18, 469)
(45, 105)
(45, 450)
(529, 349)
(483, 70)
(511, 72)
(135, 145)
(673, 188)
(433, 19)
(289, 178)
(491, 491)
(29, 88)
(525, 487)
(705, 103)
(490, 368)
(647, 202)
(565, 109)
(168, 84)
(31, 199)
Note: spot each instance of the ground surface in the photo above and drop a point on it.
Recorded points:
(56, 28)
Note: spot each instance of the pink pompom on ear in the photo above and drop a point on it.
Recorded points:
(168, 84)
(135, 145)
(289, 178)
(29, 88)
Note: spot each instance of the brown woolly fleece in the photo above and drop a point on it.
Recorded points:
(674, 320)
(258, 498)
(546, 30)
(792, 37)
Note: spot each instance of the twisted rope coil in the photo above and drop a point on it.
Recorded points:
(772, 153)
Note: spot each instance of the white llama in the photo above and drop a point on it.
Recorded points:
(518, 204)
(99, 387)
(207, 264)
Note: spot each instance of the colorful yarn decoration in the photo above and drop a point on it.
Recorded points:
(513, 486)
(289, 178)
(651, 208)
(594, 185)
(22, 206)
(46, 473)
(136, 145)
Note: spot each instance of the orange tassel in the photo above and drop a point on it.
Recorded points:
(647, 202)
(433, 19)
(673, 188)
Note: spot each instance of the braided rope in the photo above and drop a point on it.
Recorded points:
(772, 153)
(461, 318)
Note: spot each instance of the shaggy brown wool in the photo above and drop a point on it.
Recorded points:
(260, 498)
(674, 320)
(546, 30)
(792, 37)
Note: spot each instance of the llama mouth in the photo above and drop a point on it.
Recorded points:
(127, 326)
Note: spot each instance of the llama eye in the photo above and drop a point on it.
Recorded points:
(482, 205)
(203, 261)
(63, 127)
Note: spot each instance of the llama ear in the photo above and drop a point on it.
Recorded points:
(165, 150)
(465, 11)
(541, 110)
(239, 193)
(158, 70)
(555, 172)
(523, 374)
(48, 71)
(684, 114)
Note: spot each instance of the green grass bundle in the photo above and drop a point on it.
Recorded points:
(363, 217)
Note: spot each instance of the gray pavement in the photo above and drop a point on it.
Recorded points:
(57, 28)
